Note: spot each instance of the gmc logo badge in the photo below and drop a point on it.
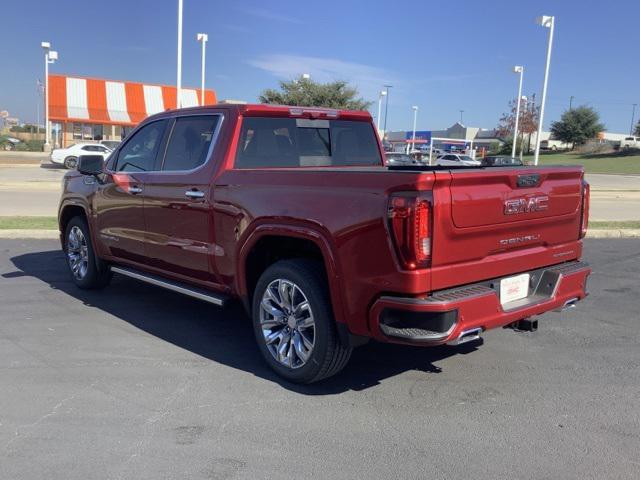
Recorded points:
(526, 205)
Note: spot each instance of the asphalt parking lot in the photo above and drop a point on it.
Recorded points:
(135, 382)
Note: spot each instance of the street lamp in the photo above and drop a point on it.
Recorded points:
(386, 106)
(413, 137)
(50, 56)
(203, 37)
(517, 69)
(382, 94)
(179, 67)
(547, 22)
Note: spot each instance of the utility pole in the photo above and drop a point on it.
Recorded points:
(517, 69)
(202, 37)
(179, 66)
(382, 94)
(546, 22)
(633, 118)
(386, 108)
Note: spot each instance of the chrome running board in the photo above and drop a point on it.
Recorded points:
(178, 287)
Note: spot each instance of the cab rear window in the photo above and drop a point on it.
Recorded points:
(296, 142)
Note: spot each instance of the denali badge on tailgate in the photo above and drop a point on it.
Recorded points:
(526, 205)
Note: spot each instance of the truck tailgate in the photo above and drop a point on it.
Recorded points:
(498, 221)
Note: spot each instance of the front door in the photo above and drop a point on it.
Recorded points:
(178, 209)
(119, 199)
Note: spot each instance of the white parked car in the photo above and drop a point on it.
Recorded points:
(69, 156)
(453, 159)
(630, 142)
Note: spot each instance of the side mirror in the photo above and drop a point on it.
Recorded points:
(90, 164)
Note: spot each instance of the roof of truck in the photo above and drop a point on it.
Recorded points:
(264, 110)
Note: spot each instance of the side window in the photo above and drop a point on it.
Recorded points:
(267, 142)
(87, 148)
(190, 141)
(139, 153)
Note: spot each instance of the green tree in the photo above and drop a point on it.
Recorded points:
(577, 125)
(305, 92)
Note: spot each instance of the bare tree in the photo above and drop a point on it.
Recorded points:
(528, 124)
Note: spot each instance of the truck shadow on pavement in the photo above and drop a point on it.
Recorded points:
(224, 335)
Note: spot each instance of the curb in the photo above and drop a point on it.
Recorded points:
(614, 233)
(55, 234)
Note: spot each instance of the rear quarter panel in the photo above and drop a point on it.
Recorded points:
(344, 210)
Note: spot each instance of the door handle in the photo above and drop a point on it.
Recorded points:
(194, 194)
(135, 190)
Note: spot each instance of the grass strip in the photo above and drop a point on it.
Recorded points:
(28, 223)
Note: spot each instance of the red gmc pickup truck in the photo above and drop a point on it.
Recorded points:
(292, 211)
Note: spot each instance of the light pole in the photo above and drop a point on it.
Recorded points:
(413, 137)
(633, 117)
(461, 112)
(517, 69)
(50, 56)
(203, 37)
(548, 22)
(386, 106)
(525, 102)
(382, 94)
(179, 68)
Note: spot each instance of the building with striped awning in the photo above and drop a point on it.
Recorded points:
(91, 109)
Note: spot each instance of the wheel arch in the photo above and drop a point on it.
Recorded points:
(267, 244)
(69, 210)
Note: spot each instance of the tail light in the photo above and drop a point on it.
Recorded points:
(584, 224)
(410, 225)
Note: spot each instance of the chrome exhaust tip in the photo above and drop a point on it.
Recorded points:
(571, 303)
(467, 336)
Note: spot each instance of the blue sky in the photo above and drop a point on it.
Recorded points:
(442, 56)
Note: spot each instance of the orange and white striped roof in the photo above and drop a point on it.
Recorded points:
(96, 100)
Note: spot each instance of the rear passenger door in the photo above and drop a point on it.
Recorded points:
(178, 205)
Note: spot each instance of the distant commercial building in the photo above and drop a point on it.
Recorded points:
(460, 137)
(91, 109)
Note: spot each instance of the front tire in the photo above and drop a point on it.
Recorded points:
(70, 163)
(294, 324)
(87, 270)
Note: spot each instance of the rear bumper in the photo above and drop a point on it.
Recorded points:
(446, 315)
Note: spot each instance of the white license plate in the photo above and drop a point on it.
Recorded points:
(514, 288)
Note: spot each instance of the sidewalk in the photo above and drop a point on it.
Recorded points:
(22, 158)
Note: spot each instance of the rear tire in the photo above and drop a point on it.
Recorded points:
(86, 269)
(294, 324)
(70, 163)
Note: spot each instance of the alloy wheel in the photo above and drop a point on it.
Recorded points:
(77, 253)
(287, 323)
